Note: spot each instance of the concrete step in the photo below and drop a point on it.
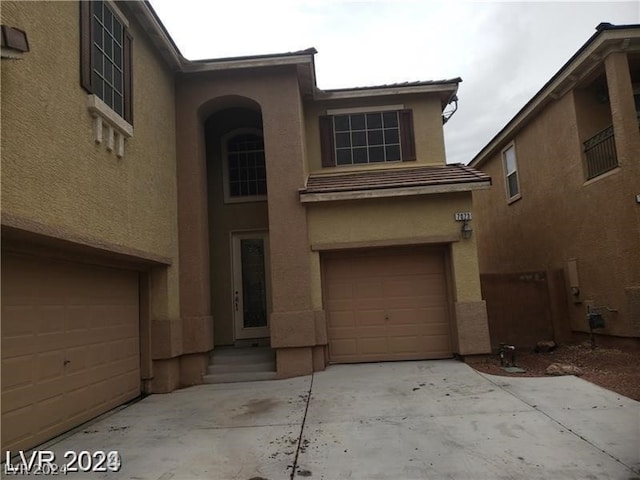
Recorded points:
(269, 366)
(235, 377)
(241, 364)
(232, 355)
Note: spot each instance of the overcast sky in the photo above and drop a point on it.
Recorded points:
(503, 51)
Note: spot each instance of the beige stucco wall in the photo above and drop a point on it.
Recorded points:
(54, 174)
(560, 216)
(427, 119)
(408, 220)
(277, 93)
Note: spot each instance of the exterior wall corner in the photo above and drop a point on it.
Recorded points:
(472, 327)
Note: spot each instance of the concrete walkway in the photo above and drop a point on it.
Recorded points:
(401, 420)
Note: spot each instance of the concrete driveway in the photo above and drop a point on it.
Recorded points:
(401, 420)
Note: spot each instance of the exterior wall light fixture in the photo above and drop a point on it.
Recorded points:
(464, 218)
(466, 230)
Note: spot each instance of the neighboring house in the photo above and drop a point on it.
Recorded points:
(566, 193)
(154, 207)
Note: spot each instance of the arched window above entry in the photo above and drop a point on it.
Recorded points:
(245, 176)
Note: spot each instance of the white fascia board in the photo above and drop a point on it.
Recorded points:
(191, 67)
(385, 91)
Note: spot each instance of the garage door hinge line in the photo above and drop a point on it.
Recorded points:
(304, 420)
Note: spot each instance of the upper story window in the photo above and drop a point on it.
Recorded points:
(364, 137)
(106, 56)
(511, 173)
(245, 175)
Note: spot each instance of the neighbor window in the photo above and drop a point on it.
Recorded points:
(367, 137)
(245, 168)
(511, 172)
(106, 55)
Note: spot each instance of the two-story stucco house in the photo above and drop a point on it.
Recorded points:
(566, 193)
(155, 209)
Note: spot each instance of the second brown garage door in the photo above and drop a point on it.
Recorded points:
(386, 304)
(70, 345)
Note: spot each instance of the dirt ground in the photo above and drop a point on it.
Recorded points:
(612, 368)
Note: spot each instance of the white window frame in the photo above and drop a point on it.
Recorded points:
(109, 126)
(225, 167)
(511, 198)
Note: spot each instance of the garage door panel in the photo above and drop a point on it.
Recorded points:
(370, 317)
(368, 289)
(73, 332)
(17, 371)
(50, 411)
(417, 316)
(46, 390)
(50, 318)
(369, 346)
(417, 330)
(409, 344)
(18, 425)
(13, 399)
(343, 333)
(398, 298)
(18, 320)
(341, 290)
(342, 319)
(49, 365)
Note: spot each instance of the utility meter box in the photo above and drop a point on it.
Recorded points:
(595, 320)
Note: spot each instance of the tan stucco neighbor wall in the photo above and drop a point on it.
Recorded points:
(427, 119)
(56, 176)
(413, 220)
(561, 216)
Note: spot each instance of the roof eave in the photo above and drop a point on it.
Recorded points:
(445, 89)
(158, 34)
(257, 61)
(580, 65)
(392, 192)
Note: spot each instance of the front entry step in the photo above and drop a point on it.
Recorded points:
(241, 364)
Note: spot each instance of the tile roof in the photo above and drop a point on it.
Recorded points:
(419, 83)
(453, 174)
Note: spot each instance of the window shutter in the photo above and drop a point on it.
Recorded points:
(407, 139)
(85, 46)
(128, 77)
(327, 144)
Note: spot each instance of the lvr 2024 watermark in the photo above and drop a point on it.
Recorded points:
(43, 462)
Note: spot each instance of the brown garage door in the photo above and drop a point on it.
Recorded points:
(70, 346)
(386, 304)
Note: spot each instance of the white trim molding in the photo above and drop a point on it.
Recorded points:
(104, 118)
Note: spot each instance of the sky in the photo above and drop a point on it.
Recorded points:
(503, 51)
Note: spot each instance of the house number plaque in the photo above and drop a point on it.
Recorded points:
(462, 216)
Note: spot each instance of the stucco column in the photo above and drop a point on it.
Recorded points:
(195, 304)
(472, 325)
(623, 111)
(292, 320)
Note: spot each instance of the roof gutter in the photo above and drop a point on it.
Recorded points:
(158, 34)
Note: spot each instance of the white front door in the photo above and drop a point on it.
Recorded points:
(251, 288)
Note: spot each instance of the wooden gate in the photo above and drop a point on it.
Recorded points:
(518, 307)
